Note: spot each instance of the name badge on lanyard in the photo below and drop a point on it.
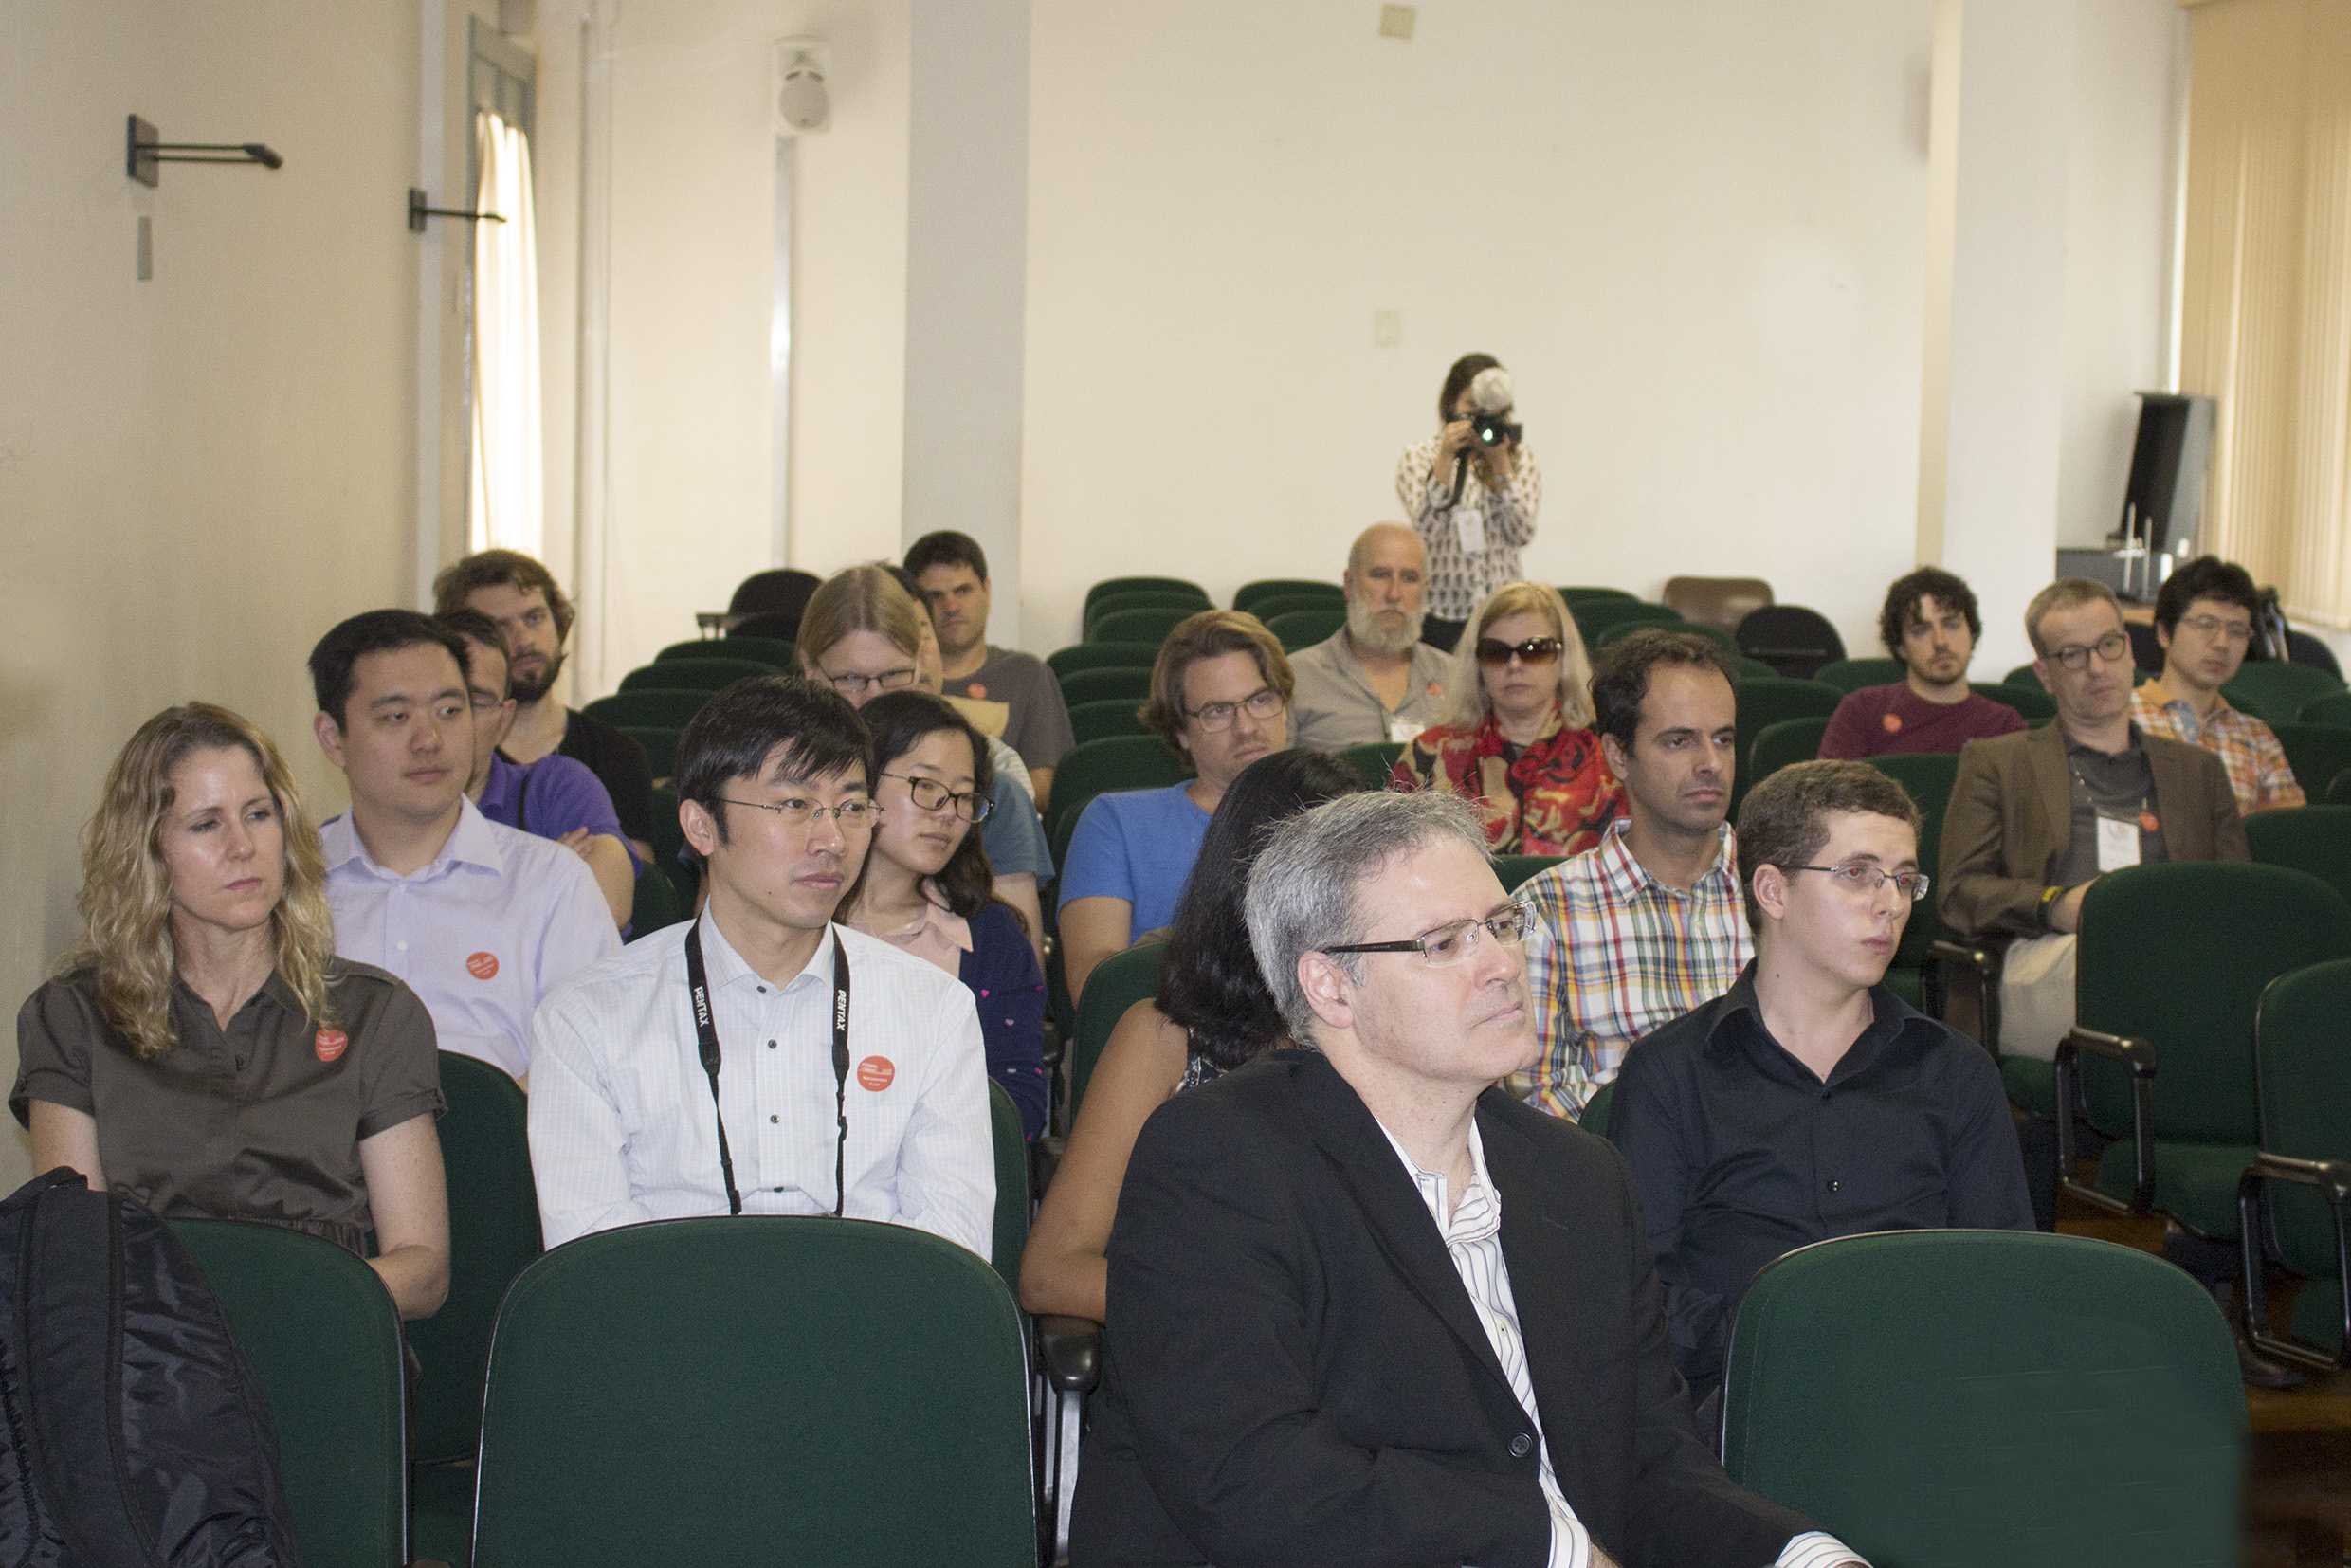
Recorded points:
(2118, 843)
(1469, 531)
(1403, 731)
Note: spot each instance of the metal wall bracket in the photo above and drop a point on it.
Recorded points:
(143, 153)
(418, 213)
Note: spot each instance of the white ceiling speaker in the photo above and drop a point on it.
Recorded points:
(803, 102)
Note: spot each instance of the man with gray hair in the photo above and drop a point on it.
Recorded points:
(1364, 1305)
(1374, 679)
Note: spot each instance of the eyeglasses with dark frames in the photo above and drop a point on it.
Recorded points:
(929, 795)
(1262, 703)
(2114, 646)
(889, 680)
(1450, 943)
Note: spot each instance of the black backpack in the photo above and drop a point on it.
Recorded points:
(132, 1430)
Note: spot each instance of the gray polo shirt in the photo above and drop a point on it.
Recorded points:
(1336, 706)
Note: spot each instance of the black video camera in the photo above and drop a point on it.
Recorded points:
(1492, 428)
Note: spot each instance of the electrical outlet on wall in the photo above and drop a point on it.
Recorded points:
(1387, 328)
(1395, 21)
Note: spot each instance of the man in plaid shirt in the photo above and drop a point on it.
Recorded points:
(1649, 924)
(2204, 616)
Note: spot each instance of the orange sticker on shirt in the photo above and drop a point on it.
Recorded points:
(875, 1074)
(976, 691)
(329, 1044)
(1893, 723)
(1437, 688)
(2147, 824)
(483, 966)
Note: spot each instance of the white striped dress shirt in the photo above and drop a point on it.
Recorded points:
(1472, 1234)
(621, 1124)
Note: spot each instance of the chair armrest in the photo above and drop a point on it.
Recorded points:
(2138, 1054)
(1070, 1350)
(2332, 1178)
(1981, 960)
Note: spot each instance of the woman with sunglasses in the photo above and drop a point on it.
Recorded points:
(1516, 740)
(926, 887)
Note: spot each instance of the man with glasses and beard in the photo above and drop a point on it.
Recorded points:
(530, 607)
(1375, 679)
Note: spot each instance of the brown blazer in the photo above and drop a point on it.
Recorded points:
(2010, 825)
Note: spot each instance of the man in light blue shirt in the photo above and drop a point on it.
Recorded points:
(481, 920)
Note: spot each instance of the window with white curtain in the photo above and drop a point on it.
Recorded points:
(506, 502)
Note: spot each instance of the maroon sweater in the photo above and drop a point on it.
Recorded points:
(1877, 720)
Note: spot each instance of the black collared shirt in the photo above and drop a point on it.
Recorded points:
(1740, 1154)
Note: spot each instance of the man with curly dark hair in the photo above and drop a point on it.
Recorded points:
(1930, 624)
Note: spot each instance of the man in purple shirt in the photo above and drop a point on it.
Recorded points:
(1930, 624)
(557, 796)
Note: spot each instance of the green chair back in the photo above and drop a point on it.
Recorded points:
(1248, 597)
(1123, 585)
(1595, 1117)
(654, 710)
(2276, 692)
(1138, 625)
(1576, 594)
(2303, 1082)
(1976, 1397)
(1120, 762)
(654, 903)
(741, 1390)
(2317, 753)
(1790, 740)
(1100, 720)
(1131, 683)
(1010, 1235)
(1927, 777)
(2245, 926)
(1595, 616)
(668, 838)
(771, 651)
(1374, 761)
(323, 1338)
(1753, 670)
(1304, 627)
(2338, 793)
(2024, 675)
(1144, 598)
(2332, 709)
(1513, 870)
(2031, 703)
(1850, 675)
(486, 1152)
(1118, 983)
(1068, 660)
(660, 743)
(1765, 703)
(1283, 604)
(2316, 839)
(706, 674)
(1715, 634)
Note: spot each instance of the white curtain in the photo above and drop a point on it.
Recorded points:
(507, 502)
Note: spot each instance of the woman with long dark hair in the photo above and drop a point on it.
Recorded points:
(926, 887)
(1213, 1013)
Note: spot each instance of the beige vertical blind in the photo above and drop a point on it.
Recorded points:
(2265, 306)
(508, 500)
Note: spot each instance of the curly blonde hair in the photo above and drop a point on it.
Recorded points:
(126, 891)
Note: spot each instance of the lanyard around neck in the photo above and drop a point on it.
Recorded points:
(706, 1033)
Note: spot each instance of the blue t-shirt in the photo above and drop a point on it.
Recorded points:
(1012, 836)
(1137, 845)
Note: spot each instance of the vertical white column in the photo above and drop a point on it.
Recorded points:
(432, 43)
(1995, 361)
(591, 407)
(967, 226)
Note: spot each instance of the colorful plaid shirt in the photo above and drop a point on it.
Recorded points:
(1627, 955)
(2245, 746)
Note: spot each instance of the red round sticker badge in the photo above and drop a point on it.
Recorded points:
(875, 1074)
(483, 966)
(2147, 824)
(329, 1044)
(978, 693)
(1437, 688)
(1893, 723)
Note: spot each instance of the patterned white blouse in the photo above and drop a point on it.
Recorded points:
(1504, 520)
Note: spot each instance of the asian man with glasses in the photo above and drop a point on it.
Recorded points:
(2204, 616)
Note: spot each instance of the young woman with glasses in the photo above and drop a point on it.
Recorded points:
(926, 886)
(1517, 741)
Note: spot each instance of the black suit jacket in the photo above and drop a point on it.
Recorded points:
(1296, 1373)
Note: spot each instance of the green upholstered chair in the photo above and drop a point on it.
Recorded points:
(2172, 960)
(2316, 839)
(1582, 593)
(1374, 761)
(668, 838)
(1790, 740)
(729, 1392)
(2024, 675)
(1097, 767)
(2304, 1081)
(1715, 634)
(1250, 595)
(1130, 682)
(771, 651)
(2030, 702)
(2338, 793)
(1143, 599)
(1010, 1235)
(2334, 708)
(1283, 604)
(1140, 626)
(2277, 692)
(660, 743)
(324, 1339)
(1594, 1119)
(1118, 983)
(1850, 675)
(1596, 616)
(1123, 585)
(1299, 628)
(1515, 870)
(2317, 753)
(1066, 661)
(1927, 776)
(1745, 669)
(695, 674)
(653, 905)
(1978, 1396)
(1105, 719)
(1763, 703)
(669, 709)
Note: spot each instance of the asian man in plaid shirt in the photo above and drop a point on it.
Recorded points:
(1649, 924)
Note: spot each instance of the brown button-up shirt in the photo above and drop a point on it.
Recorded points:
(260, 1121)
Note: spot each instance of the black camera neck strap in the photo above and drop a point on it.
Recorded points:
(706, 1034)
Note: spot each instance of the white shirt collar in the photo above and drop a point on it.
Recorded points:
(1479, 1213)
(472, 842)
(727, 967)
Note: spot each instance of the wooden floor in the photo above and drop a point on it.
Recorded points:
(2298, 1486)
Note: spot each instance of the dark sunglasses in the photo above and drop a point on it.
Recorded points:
(1535, 650)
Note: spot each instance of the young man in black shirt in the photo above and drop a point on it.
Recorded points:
(530, 607)
(1809, 1101)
